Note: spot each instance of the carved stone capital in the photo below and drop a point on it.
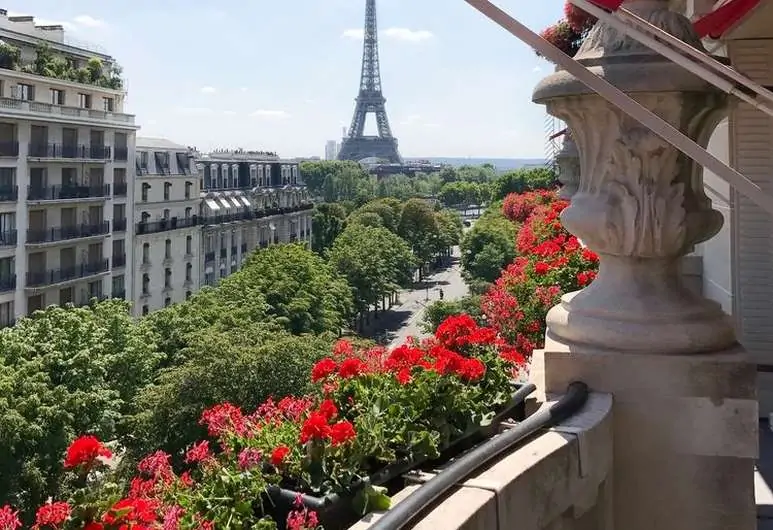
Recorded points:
(568, 162)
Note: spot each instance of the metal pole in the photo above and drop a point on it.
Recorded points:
(622, 101)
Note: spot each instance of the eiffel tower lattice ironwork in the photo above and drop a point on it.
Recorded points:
(356, 146)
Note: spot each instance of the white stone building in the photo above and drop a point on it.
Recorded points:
(167, 235)
(249, 200)
(66, 149)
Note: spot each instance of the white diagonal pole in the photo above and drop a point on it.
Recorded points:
(626, 104)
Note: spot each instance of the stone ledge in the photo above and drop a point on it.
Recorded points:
(558, 477)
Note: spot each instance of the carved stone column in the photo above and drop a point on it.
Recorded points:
(568, 162)
(637, 203)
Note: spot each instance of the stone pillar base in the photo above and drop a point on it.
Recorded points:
(685, 433)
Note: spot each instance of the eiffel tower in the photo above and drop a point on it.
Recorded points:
(356, 146)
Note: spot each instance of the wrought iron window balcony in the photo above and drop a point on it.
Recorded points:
(7, 283)
(9, 193)
(119, 225)
(121, 154)
(209, 257)
(85, 152)
(9, 148)
(119, 260)
(63, 233)
(54, 276)
(8, 238)
(87, 300)
(57, 192)
(120, 189)
(167, 224)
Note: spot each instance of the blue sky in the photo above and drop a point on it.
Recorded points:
(282, 74)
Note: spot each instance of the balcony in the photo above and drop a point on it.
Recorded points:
(7, 283)
(121, 154)
(10, 149)
(70, 152)
(46, 110)
(56, 193)
(119, 225)
(64, 233)
(209, 257)
(8, 238)
(165, 225)
(55, 276)
(120, 189)
(119, 260)
(9, 193)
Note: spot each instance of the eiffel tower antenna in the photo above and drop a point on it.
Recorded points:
(356, 146)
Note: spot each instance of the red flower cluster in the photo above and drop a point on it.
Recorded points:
(318, 426)
(580, 21)
(85, 451)
(9, 518)
(51, 515)
(551, 262)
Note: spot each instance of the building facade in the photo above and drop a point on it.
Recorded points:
(331, 150)
(165, 217)
(249, 200)
(66, 149)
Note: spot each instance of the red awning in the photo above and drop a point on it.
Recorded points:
(719, 21)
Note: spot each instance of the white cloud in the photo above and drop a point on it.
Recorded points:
(537, 69)
(243, 89)
(229, 112)
(89, 22)
(270, 114)
(408, 35)
(403, 34)
(208, 90)
(195, 111)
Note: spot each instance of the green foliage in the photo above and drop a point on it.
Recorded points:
(48, 64)
(10, 56)
(404, 187)
(328, 221)
(489, 246)
(450, 228)
(521, 180)
(336, 180)
(243, 366)
(463, 193)
(439, 310)
(64, 372)
(375, 261)
(388, 210)
(419, 227)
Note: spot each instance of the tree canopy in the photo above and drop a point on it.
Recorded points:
(524, 179)
(488, 247)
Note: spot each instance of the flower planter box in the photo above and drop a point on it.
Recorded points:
(338, 512)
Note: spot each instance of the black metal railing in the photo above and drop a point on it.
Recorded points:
(54, 276)
(9, 193)
(119, 260)
(165, 225)
(55, 193)
(9, 148)
(7, 283)
(120, 189)
(62, 233)
(86, 152)
(119, 225)
(121, 154)
(8, 238)
(209, 257)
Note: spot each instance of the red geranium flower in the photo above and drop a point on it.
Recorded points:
(84, 451)
(328, 409)
(9, 518)
(342, 432)
(323, 369)
(279, 454)
(156, 465)
(403, 376)
(224, 418)
(472, 370)
(93, 526)
(199, 452)
(314, 428)
(132, 513)
(351, 368)
(52, 515)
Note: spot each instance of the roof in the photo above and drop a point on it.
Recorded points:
(159, 143)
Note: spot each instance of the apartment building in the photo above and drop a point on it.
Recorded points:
(65, 152)
(167, 235)
(250, 199)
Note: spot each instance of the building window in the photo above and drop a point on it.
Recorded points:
(84, 101)
(146, 253)
(145, 283)
(25, 92)
(108, 104)
(7, 314)
(188, 212)
(212, 176)
(188, 272)
(167, 190)
(144, 310)
(167, 213)
(188, 294)
(119, 289)
(189, 245)
(188, 188)
(145, 188)
(167, 278)
(145, 216)
(57, 96)
(167, 301)
(168, 249)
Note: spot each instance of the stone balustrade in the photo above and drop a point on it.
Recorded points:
(558, 480)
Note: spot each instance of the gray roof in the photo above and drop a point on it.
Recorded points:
(159, 143)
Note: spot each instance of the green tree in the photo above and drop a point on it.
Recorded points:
(439, 310)
(65, 372)
(328, 220)
(450, 229)
(463, 193)
(524, 179)
(388, 210)
(489, 246)
(375, 261)
(419, 227)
